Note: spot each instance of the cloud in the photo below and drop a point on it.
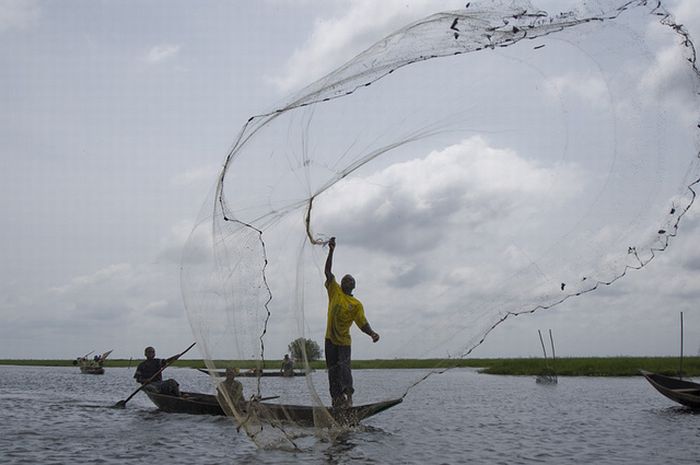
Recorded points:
(100, 276)
(115, 292)
(666, 77)
(688, 11)
(162, 308)
(590, 89)
(684, 252)
(18, 14)
(461, 187)
(171, 246)
(334, 41)
(107, 307)
(406, 275)
(667, 82)
(161, 53)
(203, 174)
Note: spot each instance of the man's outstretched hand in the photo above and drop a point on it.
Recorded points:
(331, 243)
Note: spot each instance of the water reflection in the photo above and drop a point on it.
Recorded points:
(339, 449)
(675, 411)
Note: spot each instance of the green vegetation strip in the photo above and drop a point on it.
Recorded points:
(593, 366)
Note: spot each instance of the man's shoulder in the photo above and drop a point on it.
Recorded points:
(154, 361)
(331, 284)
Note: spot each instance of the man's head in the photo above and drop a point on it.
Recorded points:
(347, 284)
(150, 352)
(231, 373)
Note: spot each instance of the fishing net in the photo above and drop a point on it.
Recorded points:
(473, 165)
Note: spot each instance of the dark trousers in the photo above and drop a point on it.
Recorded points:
(339, 372)
(169, 386)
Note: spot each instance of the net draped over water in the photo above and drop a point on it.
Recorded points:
(473, 165)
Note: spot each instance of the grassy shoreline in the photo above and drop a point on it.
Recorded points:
(573, 366)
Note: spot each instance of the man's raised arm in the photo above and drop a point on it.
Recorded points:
(329, 260)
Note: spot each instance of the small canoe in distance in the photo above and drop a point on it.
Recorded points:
(92, 366)
(546, 379)
(251, 374)
(92, 370)
(684, 392)
(206, 404)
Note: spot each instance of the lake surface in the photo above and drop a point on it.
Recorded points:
(60, 416)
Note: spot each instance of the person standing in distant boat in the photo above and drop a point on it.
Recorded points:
(343, 310)
(287, 366)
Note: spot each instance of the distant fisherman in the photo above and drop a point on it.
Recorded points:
(343, 309)
(287, 366)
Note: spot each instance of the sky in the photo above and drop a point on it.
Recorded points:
(116, 118)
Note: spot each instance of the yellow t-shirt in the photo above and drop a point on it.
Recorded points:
(343, 309)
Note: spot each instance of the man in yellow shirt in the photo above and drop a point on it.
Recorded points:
(343, 310)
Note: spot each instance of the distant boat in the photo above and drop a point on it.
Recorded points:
(252, 373)
(206, 404)
(678, 390)
(90, 370)
(92, 366)
(684, 392)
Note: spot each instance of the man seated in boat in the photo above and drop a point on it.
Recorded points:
(230, 391)
(287, 366)
(148, 373)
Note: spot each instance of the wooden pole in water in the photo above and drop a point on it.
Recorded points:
(680, 368)
(543, 349)
(554, 355)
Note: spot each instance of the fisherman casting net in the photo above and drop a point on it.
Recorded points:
(473, 165)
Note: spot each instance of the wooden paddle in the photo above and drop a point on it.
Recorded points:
(122, 403)
(206, 372)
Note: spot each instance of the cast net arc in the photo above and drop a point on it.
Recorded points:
(474, 165)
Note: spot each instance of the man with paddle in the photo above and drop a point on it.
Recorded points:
(343, 310)
(143, 370)
(149, 373)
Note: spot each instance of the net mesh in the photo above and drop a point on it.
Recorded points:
(474, 165)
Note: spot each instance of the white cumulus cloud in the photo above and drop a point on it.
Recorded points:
(335, 40)
(162, 52)
(461, 184)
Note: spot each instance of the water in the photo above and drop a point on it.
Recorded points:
(59, 416)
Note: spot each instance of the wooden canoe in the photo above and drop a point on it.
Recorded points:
(92, 370)
(196, 403)
(684, 392)
(251, 374)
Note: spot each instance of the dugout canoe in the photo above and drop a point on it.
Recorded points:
(684, 392)
(251, 374)
(91, 370)
(206, 404)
